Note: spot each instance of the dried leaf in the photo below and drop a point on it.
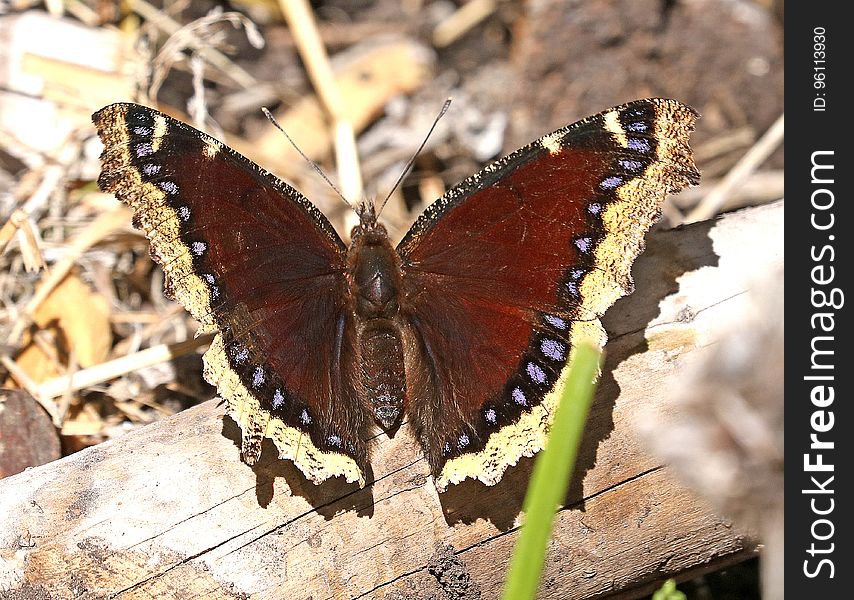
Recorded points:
(77, 322)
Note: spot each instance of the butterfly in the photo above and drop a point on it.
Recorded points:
(464, 328)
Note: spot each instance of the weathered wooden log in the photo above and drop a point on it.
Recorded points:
(169, 511)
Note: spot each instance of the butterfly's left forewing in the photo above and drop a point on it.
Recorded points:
(251, 258)
(512, 268)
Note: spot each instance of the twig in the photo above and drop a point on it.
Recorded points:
(118, 367)
(166, 24)
(95, 232)
(67, 396)
(22, 379)
(728, 141)
(761, 187)
(30, 246)
(762, 149)
(462, 20)
(51, 178)
(304, 29)
(370, 75)
(17, 220)
(82, 12)
(153, 321)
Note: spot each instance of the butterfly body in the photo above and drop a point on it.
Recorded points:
(465, 327)
(375, 276)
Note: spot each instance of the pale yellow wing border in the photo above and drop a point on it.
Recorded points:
(625, 221)
(161, 224)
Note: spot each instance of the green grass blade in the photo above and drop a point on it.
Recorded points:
(668, 591)
(551, 475)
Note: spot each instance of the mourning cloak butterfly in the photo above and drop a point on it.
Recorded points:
(466, 327)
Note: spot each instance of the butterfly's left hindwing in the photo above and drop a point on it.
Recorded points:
(512, 268)
(251, 258)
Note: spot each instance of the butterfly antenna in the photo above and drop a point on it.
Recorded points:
(417, 152)
(313, 164)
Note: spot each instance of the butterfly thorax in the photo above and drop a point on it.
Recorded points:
(375, 283)
(374, 269)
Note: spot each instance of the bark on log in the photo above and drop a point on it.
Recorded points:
(169, 511)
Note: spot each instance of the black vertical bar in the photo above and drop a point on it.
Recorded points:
(819, 232)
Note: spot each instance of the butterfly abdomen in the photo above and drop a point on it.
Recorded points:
(374, 269)
(383, 373)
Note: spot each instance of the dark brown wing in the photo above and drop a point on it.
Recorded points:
(249, 257)
(513, 267)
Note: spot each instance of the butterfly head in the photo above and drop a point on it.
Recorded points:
(369, 228)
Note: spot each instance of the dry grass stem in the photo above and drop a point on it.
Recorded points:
(23, 380)
(17, 220)
(120, 366)
(461, 21)
(304, 29)
(189, 34)
(762, 149)
(95, 232)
